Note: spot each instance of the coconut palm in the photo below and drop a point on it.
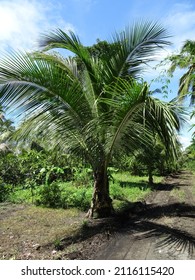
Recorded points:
(185, 60)
(6, 130)
(93, 110)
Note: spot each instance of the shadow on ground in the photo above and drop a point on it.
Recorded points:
(136, 218)
(172, 223)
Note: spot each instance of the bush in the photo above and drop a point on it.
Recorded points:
(10, 172)
(4, 191)
(82, 176)
(116, 191)
(50, 195)
(21, 195)
(76, 197)
(58, 195)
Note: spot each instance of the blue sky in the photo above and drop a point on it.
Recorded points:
(22, 22)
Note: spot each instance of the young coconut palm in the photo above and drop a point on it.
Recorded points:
(91, 110)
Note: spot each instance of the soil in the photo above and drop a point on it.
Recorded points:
(162, 227)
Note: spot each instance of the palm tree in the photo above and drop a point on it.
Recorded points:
(6, 130)
(185, 60)
(95, 109)
(154, 157)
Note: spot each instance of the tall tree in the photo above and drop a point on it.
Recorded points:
(185, 60)
(96, 109)
(6, 130)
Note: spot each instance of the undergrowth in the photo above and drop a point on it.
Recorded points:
(123, 188)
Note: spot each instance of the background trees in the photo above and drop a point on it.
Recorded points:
(92, 105)
(185, 60)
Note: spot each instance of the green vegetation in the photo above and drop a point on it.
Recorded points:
(92, 105)
(189, 156)
(185, 59)
(124, 188)
(89, 122)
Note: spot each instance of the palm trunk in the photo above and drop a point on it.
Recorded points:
(150, 176)
(101, 203)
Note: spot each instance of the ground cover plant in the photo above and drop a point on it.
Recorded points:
(72, 194)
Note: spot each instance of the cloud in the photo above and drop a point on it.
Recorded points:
(185, 136)
(185, 141)
(22, 21)
(181, 23)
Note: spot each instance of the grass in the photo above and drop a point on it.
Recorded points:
(127, 188)
(179, 194)
(126, 177)
(20, 195)
(28, 227)
(123, 187)
(132, 188)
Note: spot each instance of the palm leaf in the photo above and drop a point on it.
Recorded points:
(185, 60)
(138, 44)
(38, 81)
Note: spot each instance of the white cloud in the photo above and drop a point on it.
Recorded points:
(185, 136)
(185, 141)
(22, 21)
(181, 23)
(19, 24)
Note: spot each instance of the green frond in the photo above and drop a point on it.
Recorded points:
(166, 119)
(61, 39)
(89, 105)
(185, 60)
(28, 81)
(139, 44)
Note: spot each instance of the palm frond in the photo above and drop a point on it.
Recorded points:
(139, 44)
(185, 60)
(61, 39)
(128, 98)
(29, 81)
(165, 119)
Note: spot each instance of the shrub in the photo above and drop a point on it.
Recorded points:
(50, 195)
(82, 176)
(65, 196)
(5, 190)
(117, 192)
(21, 195)
(76, 197)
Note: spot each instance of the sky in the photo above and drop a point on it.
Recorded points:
(23, 21)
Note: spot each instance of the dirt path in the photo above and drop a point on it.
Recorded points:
(164, 229)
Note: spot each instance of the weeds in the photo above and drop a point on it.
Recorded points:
(66, 195)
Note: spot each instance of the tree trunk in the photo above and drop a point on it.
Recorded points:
(150, 176)
(101, 203)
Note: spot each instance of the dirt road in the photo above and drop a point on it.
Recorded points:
(162, 229)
